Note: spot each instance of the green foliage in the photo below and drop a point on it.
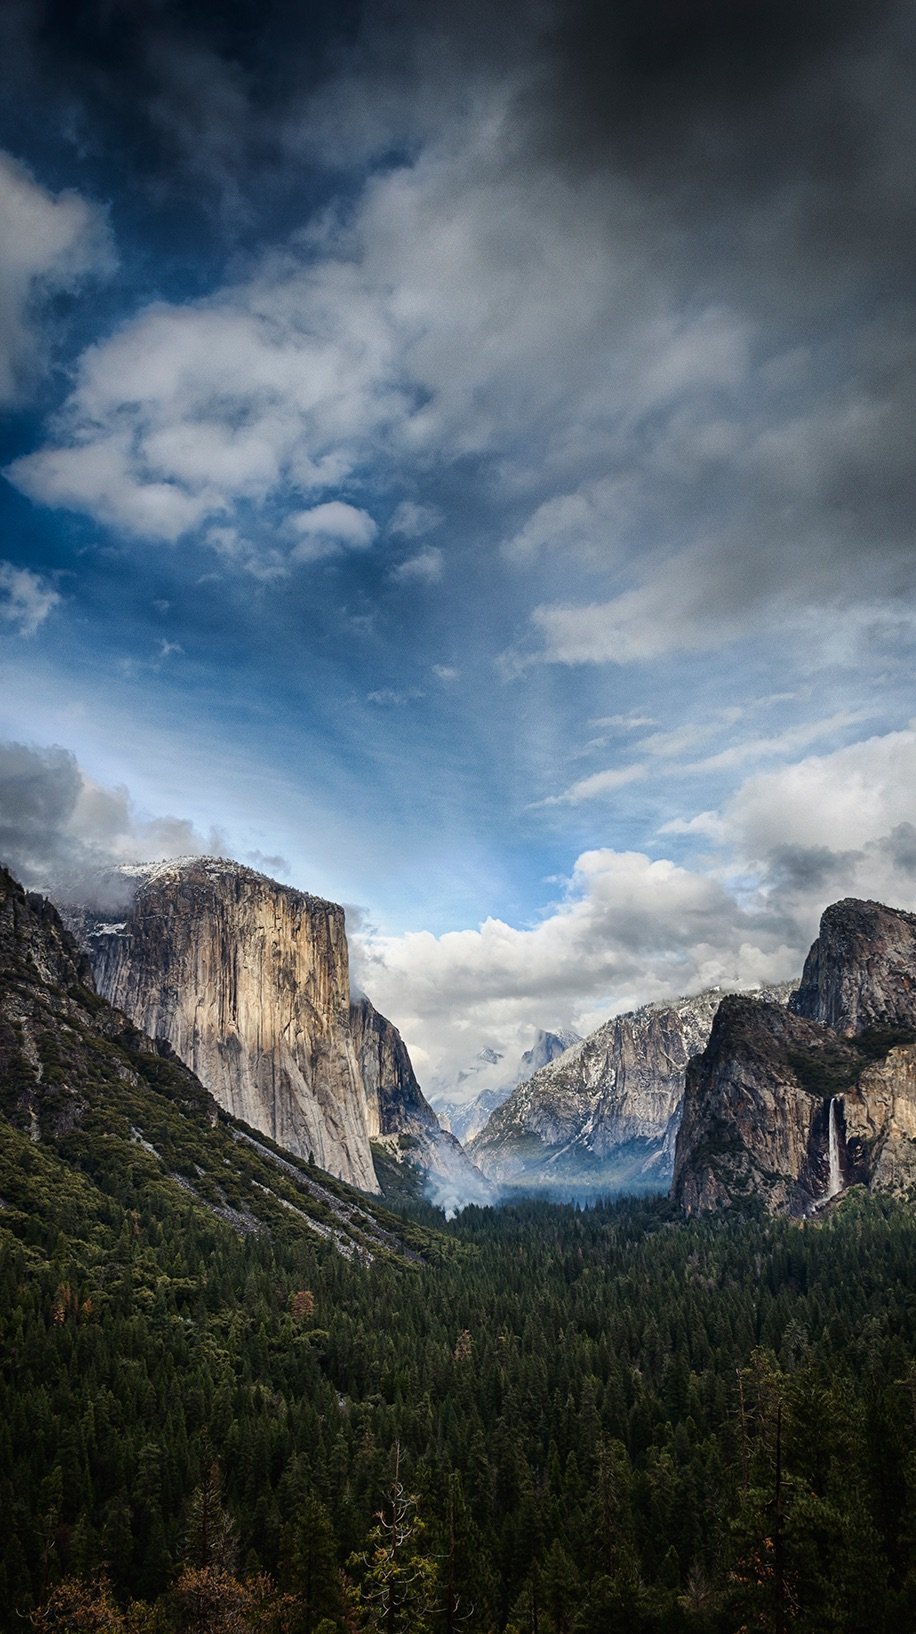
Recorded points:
(608, 1419)
(396, 1582)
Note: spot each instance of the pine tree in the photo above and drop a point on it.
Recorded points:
(396, 1592)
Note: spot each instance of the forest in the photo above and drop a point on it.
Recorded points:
(548, 1420)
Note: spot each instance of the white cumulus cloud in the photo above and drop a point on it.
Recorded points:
(26, 598)
(48, 243)
(327, 529)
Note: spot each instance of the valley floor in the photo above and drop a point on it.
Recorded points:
(593, 1420)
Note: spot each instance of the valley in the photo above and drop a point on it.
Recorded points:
(228, 1374)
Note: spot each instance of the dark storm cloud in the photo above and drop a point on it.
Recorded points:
(779, 137)
(810, 868)
(900, 848)
(715, 107)
(40, 838)
(754, 169)
(64, 835)
(187, 100)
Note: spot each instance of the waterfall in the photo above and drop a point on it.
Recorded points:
(834, 1174)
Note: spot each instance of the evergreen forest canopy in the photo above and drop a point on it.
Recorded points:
(553, 1420)
(237, 1397)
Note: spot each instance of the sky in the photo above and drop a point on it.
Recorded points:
(459, 460)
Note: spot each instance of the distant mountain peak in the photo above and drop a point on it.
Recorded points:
(605, 1111)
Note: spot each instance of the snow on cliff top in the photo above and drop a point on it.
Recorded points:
(146, 873)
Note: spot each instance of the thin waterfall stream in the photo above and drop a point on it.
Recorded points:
(834, 1173)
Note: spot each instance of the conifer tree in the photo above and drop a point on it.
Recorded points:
(396, 1592)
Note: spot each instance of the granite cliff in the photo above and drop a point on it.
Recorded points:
(861, 972)
(606, 1111)
(399, 1116)
(248, 981)
(103, 1127)
(790, 1107)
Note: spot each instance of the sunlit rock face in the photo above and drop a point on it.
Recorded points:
(607, 1110)
(248, 981)
(791, 1108)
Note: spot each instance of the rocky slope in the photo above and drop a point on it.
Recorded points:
(792, 1107)
(248, 982)
(606, 1111)
(96, 1118)
(861, 972)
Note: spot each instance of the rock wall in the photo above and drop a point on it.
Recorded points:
(395, 1104)
(861, 972)
(400, 1116)
(760, 1100)
(756, 1110)
(248, 981)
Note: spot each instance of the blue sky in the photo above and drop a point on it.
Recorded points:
(463, 466)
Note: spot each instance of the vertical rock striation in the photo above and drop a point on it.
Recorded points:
(395, 1103)
(861, 972)
(248, 981)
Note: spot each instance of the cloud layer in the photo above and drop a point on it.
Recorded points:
(51, 244)
(64, 834)
(630, 929)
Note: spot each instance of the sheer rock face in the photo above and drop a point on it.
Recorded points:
(880, 1121)
(395, 1103)
(757, 1109)
(755, 1121)
(399, 1114)
(248, 981)
(617, 1094)
(861, 972)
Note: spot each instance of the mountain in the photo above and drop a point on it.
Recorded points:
(209, 1396)
(101, 1125)
(467, 1117)
(402, 1120)
(546, 1048)
(861, 972)
(790, 1107)
(605, 1111)
(248, 981)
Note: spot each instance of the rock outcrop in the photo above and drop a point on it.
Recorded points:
(248, 982)
(395, 1103)
(400, 1117)
(606, 1111)
(61, 1046)
(860, 974)
(790, 1107)
(90, 1104)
